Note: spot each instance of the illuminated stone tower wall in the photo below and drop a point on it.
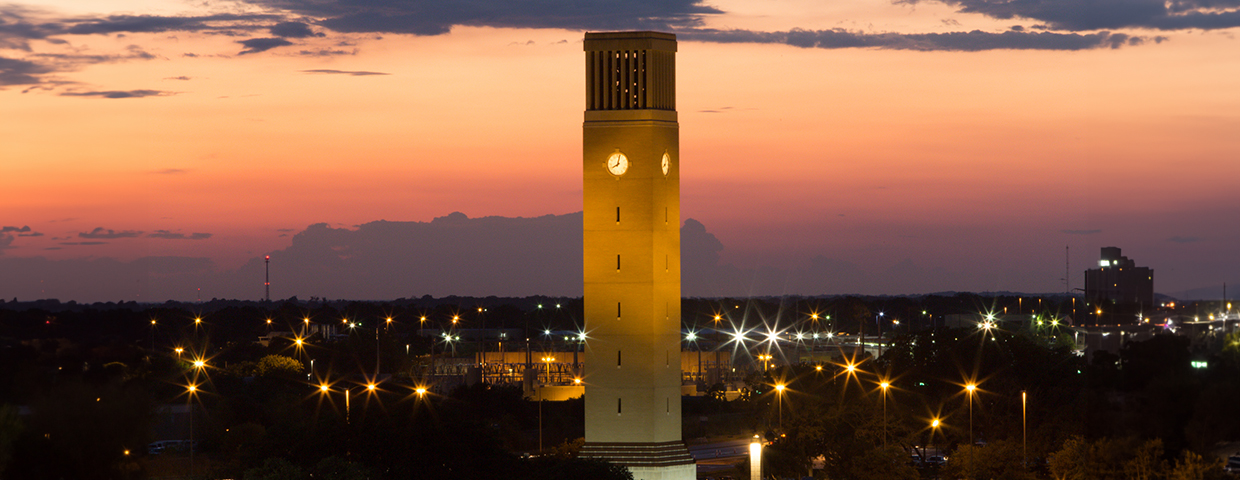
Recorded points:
(631, 167)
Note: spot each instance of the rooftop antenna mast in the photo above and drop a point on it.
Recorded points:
(267, 276)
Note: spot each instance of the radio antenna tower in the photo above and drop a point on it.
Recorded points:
(267, 275)
(1067, 271)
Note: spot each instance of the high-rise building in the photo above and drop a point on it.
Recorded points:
(631, 235)
(1119, 280)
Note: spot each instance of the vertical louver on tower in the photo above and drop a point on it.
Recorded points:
(640, 74)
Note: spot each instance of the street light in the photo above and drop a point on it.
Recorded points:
(190, 391)
(547, 361)
(1024, 429)
(884, 386)
(969, 388)
(779, 393)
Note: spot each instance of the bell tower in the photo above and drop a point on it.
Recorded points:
(631, 235)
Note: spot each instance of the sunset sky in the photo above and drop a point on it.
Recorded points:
(965, 141)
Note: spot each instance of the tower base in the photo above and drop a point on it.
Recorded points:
(647, 461)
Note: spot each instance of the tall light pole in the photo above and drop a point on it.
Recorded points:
(191, 390)
(884, 385)
(546, 361)
(814, 346)
(972, 447)
(879, 321)
(969, 391)
(1024, 429)
(779, 393)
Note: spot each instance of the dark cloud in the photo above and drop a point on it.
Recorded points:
(16, 31)
(133, 52)
(224, 23)
(168, 235)
(455, 254)
(119, 94)
(21, 72)
(255, 45)
(24, 231)
(83, 243)
(972, 41)
(100, 232)
(431, 17)
(326, 52)
(35, 68)
(345, 72)
(1080, 232)
(171, 171)
(1077, 15)
(293, 30)
(1179, 239)
(6, 242)
(182, 77)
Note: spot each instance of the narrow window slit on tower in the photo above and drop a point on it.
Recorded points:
(664, 215)
(617, 310)
(618, 406)
(617, 262)
(617, 358)
(667, 358)
(617, 215)
(667, 401)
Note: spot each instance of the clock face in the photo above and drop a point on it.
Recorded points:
(617, 163)
(667, 164)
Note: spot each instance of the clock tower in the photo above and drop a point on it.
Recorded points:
(631, 235)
